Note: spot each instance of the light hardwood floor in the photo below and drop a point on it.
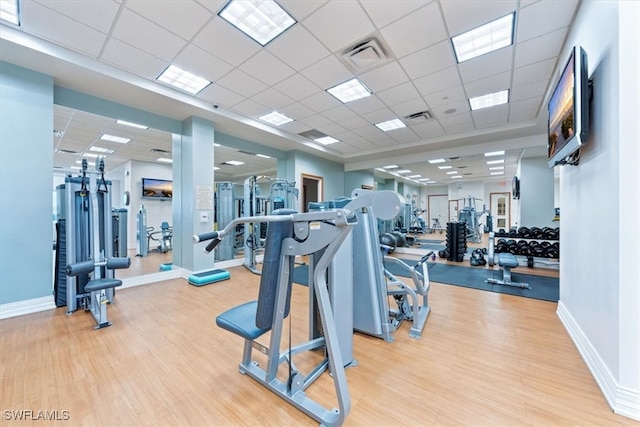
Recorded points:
(485, 359)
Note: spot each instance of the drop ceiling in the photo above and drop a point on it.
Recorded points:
(116, 49)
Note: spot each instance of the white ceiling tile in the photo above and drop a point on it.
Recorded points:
(182, 18)
(301, 9)
(361, 143)
(315, 121)
(96, 14)
(202, 63)
(147, 36)
(273, 98)
(382, 139)
(298, 48)
(413, 106)
(525, 109)
(214, 6)
(52, 25)
(532, 90)
(383, 12)
(540, 48)
(446, 97)
(379, 116)
(404, 135)
(459, 107)
(344, 148)
(429, 60)
(295, 127)
(415, 31)
(220, 96)
(431, 129)
(399, 94)
(491, 84)
(534, 72)
(339, 113)
(384, 77)
(296, 111)
(491, 116)
(321, 101)
(225, 41)
(327, 72)
(331, 129)
(355, 122)
(462, 128)
(465, 15)
(455, 119)
(250, 108)
(544, 17)
(242, 83)
(297, 87)
(437, 81)
(490, 122)
(267, 68)
(486, 65)
(366, 105)
(370, 132)
(132, 59)
(348, 24)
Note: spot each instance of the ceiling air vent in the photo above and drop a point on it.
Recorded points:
(246, 152)
(364, 55)
(63, 151)
(455, 158)
(417, 118)
(160, 150)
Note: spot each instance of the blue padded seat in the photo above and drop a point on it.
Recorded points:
(99, 284)
(241, 320)
(506, 259)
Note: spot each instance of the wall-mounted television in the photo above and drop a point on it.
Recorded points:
(157, 189)
(568, 123)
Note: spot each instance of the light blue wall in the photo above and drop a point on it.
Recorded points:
(536, 193)
(331, 172)
(356, 179)
(26, 179)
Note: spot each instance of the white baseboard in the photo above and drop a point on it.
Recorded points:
(28, 306)
(622, 400)
(174, 273)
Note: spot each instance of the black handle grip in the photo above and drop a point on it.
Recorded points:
(425, 258)
(118, 263)
(212, 245)
(205, 236)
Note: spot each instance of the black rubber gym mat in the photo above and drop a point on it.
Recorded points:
(437, 241)
(432, 247)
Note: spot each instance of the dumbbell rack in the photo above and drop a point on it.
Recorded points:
(544, 250)
(456, 241)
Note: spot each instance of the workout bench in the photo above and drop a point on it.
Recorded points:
(507, 261)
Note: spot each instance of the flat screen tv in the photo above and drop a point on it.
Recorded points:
(569, 110)
(157, 189)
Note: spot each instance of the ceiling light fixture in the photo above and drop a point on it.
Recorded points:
(326, 140)
(431, 182)
(452, 172)
(261, 20)
(496, 173)
(275, 118)
(391, 125)
(494, 153)
(489, 100)
(264, 156)
(496, 168)
(102, 150)
(484, 39)
(456, 176)
(215, 168)
(131, 124)
(434, 161)
(113, 138)
(233, 163)
(404, 171)
(444, 167)
(165, 160)
(391, 167)
(495, 162)
(183, 80)
(9, 11)
(349, 91)
(414, 176)
(423, 179)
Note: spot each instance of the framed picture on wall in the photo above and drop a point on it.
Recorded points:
(367, 187)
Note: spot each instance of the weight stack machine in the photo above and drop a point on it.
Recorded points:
(456, 241)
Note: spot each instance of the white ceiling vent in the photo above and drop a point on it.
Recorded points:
(365, 55)
(418, 118)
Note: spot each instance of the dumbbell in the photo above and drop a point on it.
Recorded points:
(536, 233)
(524, 232)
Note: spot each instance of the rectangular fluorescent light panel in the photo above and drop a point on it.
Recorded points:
(9, 11)
(456, 176)
(414, 176)
(275, 118)
(496, 168)
(264, 156)
(423, 179)
(215, 168)
(261, 20)
(494, 153)
(183, 80)
(495, 162)
(452, 172)
(434, 161)
(113, 138)
(326, 140)
(444, 167)
(165, 160)
(102, 150)
(431, 182)
(497, 173)
(489, 100)
(403, 171)
(234, 163)
(484, 39)
(131, 124)
(391, 167)
(391, 125)
(349, 91)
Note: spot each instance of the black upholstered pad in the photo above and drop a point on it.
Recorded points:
(99, 284)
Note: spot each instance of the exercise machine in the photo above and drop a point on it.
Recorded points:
(142, 246)
(162, 237)
(469, 215)
(225, 213)
(119, 228)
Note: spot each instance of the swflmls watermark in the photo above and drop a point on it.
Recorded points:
(31, 415)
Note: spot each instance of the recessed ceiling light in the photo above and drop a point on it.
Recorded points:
(215, 168)
(390, 125)
(423, 179)
(215, 144)
(75, 168)
(101, 150)
(261, 20)
(445, 167)
(165, 160)
(391, 167)
(264, 156)
(496, 168)
(456, 176)
(326, 140)
(9, 11)
(233, 163)
(133, 125)
(90, 155)
(452, 172)
(489, 100)
(183, 80)
(275, 118)
(434, 161)
(495, 162)
(112, 138)
(494, 153)
(349, 91)
(431, 182)
(414, 176)
(496, 173)
(403, 171)
(484, 39)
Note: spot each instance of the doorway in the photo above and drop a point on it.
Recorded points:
(312, 190)
(500, 210)
(454, 206)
